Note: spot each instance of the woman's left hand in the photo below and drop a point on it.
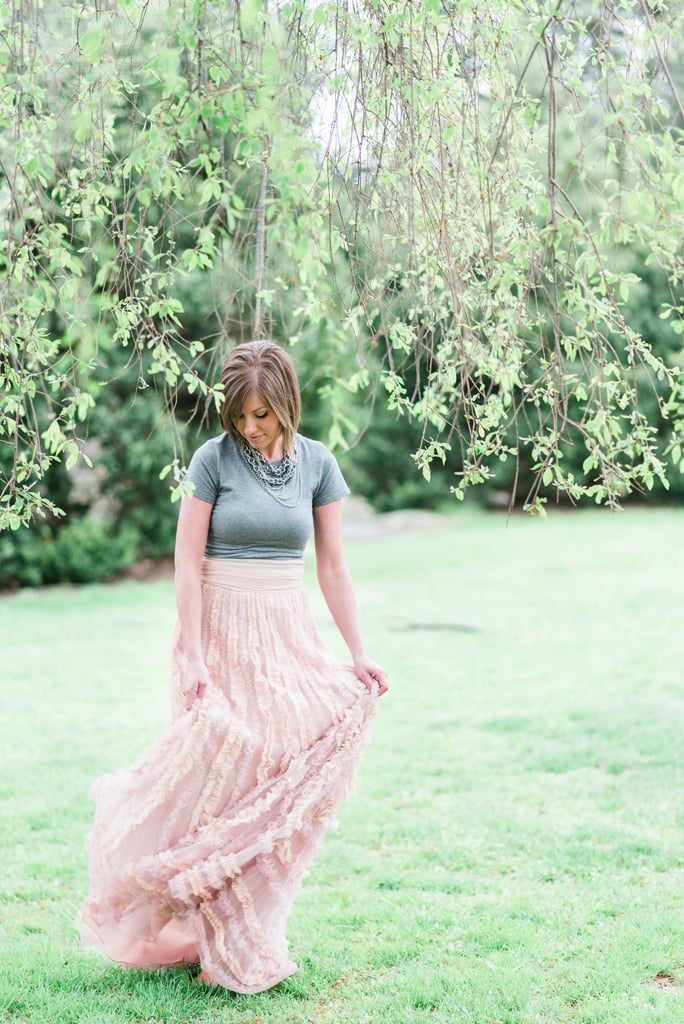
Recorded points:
(371, 674)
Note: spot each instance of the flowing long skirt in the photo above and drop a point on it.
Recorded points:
(198, 850)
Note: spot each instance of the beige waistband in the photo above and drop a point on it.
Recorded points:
(253, 573)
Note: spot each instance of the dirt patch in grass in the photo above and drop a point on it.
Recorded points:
(666, 982)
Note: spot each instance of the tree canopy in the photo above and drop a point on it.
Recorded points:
(459, 210)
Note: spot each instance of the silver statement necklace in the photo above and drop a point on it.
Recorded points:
(273, 476)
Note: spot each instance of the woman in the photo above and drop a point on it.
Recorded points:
(198, 851)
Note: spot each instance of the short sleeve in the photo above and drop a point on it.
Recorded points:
(331, 484)
(203, 472)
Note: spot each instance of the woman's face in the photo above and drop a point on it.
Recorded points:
(259, 425)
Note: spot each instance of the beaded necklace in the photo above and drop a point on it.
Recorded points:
(273, 476)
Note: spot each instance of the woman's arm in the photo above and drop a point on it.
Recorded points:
(191, 538)
(335, 582)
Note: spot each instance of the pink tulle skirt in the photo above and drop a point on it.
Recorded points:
(198, 850)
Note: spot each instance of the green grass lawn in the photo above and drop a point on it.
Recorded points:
(513, 853)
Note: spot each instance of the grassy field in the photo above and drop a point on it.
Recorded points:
(513, 854)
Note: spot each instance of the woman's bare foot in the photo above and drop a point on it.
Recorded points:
(203, 978)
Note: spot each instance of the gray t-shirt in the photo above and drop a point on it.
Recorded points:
(249, 522)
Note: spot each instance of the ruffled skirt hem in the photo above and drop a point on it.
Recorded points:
(198, 851)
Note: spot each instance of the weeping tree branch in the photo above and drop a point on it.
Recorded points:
(261, 256)
(384, 185)
(674, 92)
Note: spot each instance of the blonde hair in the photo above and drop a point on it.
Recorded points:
(266, 368)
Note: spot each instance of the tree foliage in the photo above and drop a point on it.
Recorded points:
(448, 208)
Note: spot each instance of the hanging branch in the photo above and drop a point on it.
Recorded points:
(458, 246)
(261, 253)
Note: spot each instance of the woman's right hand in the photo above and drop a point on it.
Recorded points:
(196, 679)
(191, 538)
